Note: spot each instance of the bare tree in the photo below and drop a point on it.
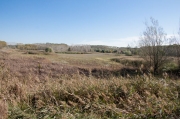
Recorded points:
(152, 45)
(80, 48)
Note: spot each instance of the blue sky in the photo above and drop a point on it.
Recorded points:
(105, 22)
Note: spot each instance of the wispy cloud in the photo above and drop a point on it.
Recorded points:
(122, 42)
(172, 35)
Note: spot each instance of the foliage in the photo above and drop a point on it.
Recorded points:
(128, 53)
(48, 50)
(170, 66)
(57, 47)
(134, 63)
(104, 49)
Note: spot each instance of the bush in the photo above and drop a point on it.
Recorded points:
(128, 53)
(134, 63)
(115, 51)
(170, 66)
(48, 50)
(97, 50)
(103, 51)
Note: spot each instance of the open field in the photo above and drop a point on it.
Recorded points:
(90, 86)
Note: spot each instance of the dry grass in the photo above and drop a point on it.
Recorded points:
(35, 87)
(3, 109)
(79, 96)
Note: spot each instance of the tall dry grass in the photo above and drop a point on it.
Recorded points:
(78, 96)
(38, 95)
(3, 109)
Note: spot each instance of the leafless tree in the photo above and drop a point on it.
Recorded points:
(80, 48)
(152, 45)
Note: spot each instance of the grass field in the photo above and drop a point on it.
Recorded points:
(83, 86)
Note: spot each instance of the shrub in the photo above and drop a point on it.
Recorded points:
(115, 51)
(170, 66)
(134, 63)
(97, 50)
(48, 50)
(103, 51)
(128, 53)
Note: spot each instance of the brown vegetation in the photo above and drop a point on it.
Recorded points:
(36, 86)
(3, 109)
(3, 44)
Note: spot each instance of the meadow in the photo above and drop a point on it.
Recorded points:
(42, 85)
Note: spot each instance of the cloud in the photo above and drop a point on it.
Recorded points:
(172, 35)
(122, 42)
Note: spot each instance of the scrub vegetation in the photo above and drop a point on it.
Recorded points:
(57, 81)
(96, 85)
